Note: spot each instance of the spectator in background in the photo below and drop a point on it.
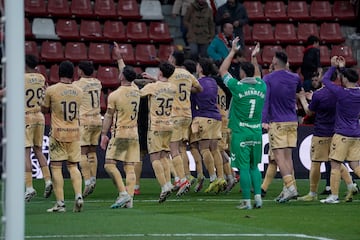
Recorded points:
(179, 8)
(221, 44)
(311, 61)
(234, 12)
(356, 34)
(201, 28)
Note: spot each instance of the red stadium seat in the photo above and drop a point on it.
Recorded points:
(127, 53)
(42, 69)
(59, 8)
(298, 11)
(285, 33)
(159, 32)
(247, 52)
(129, 9)
(31, 48)
(67, 29)
(305, 30)
(137, 32)
(28, 30)
(275, 11)
(52, 51)
(346, 52)
(109, 76)
(321, 10)
(145, 54)
(114, 31)
(324, 55)
(35, 8)
(247, 34)
(81, 8)
(165, 51)
(254, 10)
(105, 9)
(263, 33)
(331, 33)
(343, 11)
(268, 53)
(75, 51)
(90, 30)
(54, 74)
(295, 54)
(100, 53)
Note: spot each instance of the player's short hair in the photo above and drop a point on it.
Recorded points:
(311, 40)
(179, 57)
(129, 73)
(190, 65)
(248, 68)
(87, 67)
(351, 75)
(166, 69)
(207, 66)
(281, 56)
(31, 61)
(66, 69)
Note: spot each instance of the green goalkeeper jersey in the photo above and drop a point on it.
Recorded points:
(248, 96)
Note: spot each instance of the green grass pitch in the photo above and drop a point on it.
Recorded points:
(193, 216)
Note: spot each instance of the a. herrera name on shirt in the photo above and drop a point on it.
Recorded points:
(252, 92)
(243, 124)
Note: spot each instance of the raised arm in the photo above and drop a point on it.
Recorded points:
(254, 61)
(223, 70)
(327, 76)
(119, 58)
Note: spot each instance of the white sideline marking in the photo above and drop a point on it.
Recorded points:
(180, 235)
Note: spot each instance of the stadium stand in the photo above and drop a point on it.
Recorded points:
(159, 32)
(129, 10)
(90, 30)
(304, 30)
(285, 33)
(275, 11)
(44, 28)
(151, 10)
(114, 31)
(263, 33)
(321, 11)
(58, 8)
(145, 54)
(75, 51)
(51, 51)
(105, 9)
(346, 52)
(31, 48)
(35, 8)
(254, 10)
(343, 11)
(28, 29)
(100, 53)
(127, 52)
(298, 11)
(81, 8)
(137, 32)
(67, 29)
(108, 76)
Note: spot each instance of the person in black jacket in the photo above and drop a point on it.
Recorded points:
(311, 61)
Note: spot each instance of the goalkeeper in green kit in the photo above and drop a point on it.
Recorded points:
(248, 96)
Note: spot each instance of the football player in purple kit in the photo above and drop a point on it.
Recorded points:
(206, 125)
(280, 120)
(323, 106)
(345, 143)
